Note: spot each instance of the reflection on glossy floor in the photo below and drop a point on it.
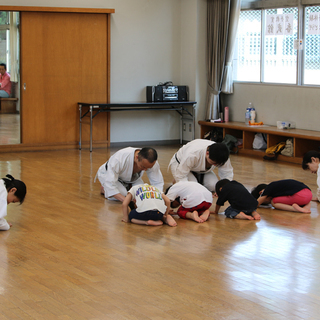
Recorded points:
(68, 256)
(9, 129)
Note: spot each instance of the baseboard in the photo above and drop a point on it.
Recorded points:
(144, 143)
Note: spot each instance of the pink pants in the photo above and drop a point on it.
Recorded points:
(301, 198)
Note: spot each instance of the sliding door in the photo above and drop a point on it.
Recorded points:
(64, 60)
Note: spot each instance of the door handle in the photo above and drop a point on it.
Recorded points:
(24, 86)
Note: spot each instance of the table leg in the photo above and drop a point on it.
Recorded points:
(193, 121)
(91, 128)
(80, 124)
(181, 126)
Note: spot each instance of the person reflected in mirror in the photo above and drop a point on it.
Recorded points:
(5, 83)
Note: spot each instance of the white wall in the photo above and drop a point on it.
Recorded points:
(276, 102)
(152, 41)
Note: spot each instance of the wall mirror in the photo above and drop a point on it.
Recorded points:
(10, 55)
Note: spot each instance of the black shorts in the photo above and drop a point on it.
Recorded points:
(146, 215)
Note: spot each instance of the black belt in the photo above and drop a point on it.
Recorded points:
(175, 155)
(199, 176)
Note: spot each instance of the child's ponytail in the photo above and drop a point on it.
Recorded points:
(10, 182)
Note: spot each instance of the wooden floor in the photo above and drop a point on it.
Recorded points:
(69, 256)
(9, 128)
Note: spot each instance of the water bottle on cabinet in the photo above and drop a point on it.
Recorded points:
(226, 114)
(248, 113)
(253, 115)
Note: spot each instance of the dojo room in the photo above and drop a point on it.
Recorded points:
(89, 80)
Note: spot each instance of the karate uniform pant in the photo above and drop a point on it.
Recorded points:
(122, 186)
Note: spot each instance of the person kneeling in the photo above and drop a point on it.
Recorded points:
(193, 198)
(242, 204)
(287, 194)
(152, 206)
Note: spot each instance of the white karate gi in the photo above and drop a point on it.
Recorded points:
(318, 183)
(4, 225)
(119, 173)
(192, 157)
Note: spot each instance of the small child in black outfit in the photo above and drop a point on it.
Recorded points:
(242, 204)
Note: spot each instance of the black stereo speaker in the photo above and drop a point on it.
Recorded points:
(167, 93)
(183, 93)
(154, 94)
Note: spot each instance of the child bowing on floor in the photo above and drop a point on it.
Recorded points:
(193, 198)
(242, 204)
(287, 194)
(152, 206)
(11, 191)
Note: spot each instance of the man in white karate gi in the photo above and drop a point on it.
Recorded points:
(125, 168)
(196, 161)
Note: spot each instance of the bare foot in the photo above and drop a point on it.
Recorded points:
(154, 223)
(147, 222)
(243, 216)
(205, 216)
(170, 221)
(305, 209)
(256, 215)
(194, 216)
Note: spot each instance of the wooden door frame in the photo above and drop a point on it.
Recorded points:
(32, 147)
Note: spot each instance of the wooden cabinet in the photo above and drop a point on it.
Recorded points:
(303, 140)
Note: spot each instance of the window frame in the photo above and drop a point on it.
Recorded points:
(301, 34)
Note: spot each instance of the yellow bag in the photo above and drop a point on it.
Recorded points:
(276, 149)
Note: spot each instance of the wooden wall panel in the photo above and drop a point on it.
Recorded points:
(64, 60)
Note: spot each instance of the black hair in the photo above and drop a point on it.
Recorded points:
(219, 153)
(148, 153)
(307, 158)
(10, 182)
(220, 184)
(3, 65)
(255, 192)
(172, 205)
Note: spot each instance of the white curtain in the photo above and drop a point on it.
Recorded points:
(227, 84)
(14, 52)
(221, 34)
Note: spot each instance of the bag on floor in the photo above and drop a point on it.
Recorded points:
(231, 142)
(259, 142)
(216, 135)
(273, 152)
(288, 149)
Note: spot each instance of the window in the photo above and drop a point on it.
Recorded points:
(4, 37)
(280, 59)
(312, 46)
(267, 46)
(246, 65)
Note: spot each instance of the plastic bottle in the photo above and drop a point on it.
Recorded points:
(248, 113)
(226, 114)
(253, 115)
